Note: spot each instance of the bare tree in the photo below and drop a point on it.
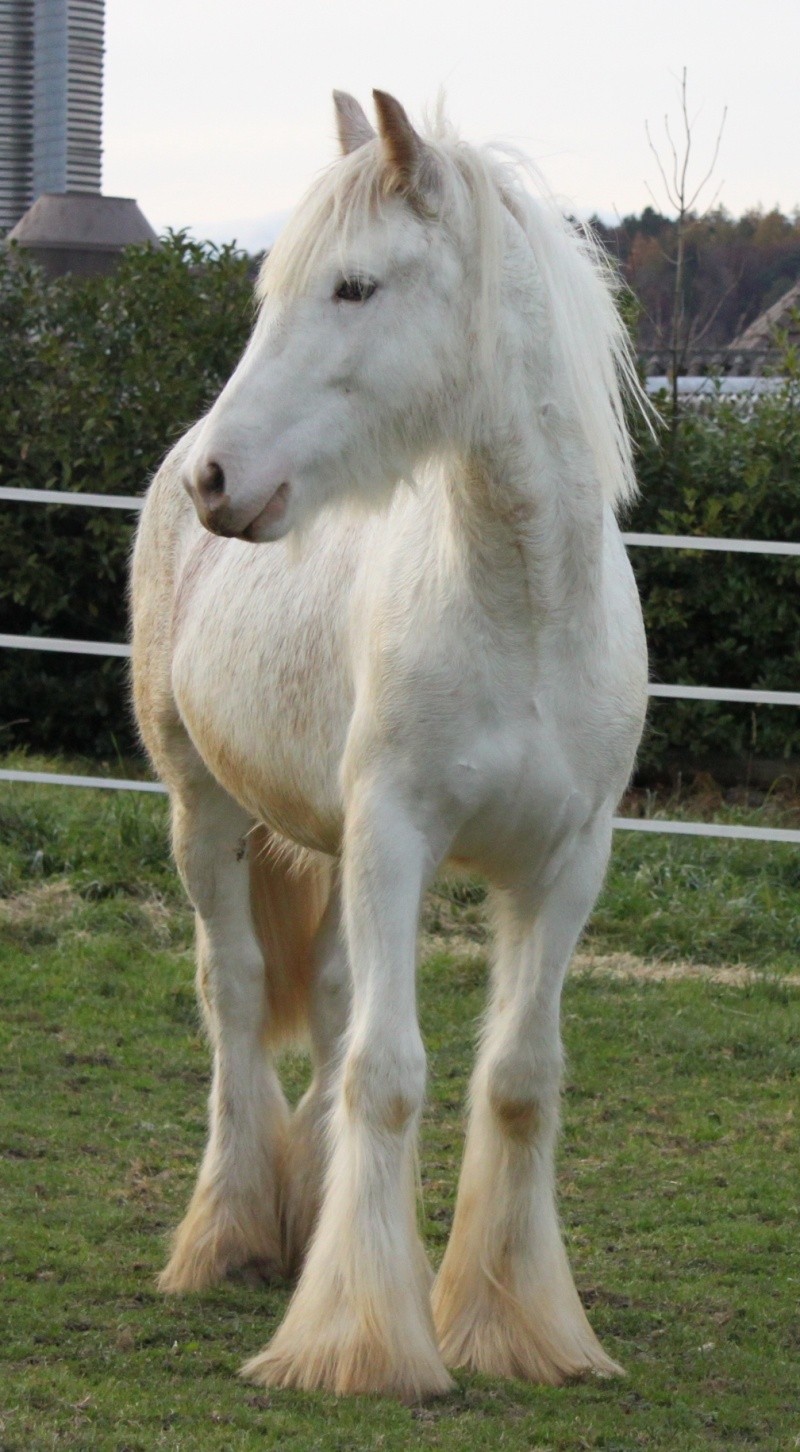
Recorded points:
(683, 196)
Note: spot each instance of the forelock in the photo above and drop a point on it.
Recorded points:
(355, 190)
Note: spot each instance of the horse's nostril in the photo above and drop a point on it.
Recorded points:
(212, 478)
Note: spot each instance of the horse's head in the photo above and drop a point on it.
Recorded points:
(360, 350)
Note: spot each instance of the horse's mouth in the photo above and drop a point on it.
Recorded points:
(265, 526)
(262, 528)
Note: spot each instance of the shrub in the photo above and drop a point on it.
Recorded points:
(97, 378)
(730, 469)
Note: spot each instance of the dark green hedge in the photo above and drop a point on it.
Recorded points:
(731, 469)
(97, 378)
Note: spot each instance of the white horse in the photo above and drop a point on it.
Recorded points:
(439, 657)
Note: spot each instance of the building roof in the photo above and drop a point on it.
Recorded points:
(82, 220)
(760, 335)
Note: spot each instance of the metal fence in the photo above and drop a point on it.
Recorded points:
(681, 693)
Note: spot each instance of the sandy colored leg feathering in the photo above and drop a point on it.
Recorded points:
(232, 1219)
(360, 1319)
(504, 1301)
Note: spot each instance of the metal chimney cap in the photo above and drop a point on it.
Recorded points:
(84, 220)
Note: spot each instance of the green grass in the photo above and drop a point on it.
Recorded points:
(678, 1164)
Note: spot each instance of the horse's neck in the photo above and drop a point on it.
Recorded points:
(527, 514)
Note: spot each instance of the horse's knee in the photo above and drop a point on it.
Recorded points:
(384, 1086)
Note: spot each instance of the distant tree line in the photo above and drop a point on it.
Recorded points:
(735, 268)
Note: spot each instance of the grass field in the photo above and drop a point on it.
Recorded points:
(678, 1166)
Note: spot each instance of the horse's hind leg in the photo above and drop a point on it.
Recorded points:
(306, 1146)
(232, 1219)
(504, 1301)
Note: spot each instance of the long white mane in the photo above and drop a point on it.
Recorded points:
(475, 189)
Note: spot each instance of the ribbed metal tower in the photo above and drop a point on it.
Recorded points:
(67, 95)
(16, 109)
(51, 99)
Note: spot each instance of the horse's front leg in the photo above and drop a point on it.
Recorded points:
(232, 1219)
(504, 1301)
(360, 1319)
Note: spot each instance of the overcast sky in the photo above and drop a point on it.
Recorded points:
(218, 112)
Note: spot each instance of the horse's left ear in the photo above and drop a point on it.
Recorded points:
(404, 151)
(351, 123)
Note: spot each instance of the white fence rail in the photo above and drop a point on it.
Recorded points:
(131, 502)
(69, 496)
(63, 647)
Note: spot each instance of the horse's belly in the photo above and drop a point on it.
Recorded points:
(266, 764)
(285, 795)
(264, 696)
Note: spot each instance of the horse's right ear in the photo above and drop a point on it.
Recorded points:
(351, 123)
(404, 151)
(410, 164)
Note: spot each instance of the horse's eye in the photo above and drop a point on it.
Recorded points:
(355, 289)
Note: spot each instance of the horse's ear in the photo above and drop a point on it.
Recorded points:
(351, 123)
(403, 149)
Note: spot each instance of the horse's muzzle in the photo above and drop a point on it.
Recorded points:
(217, 511)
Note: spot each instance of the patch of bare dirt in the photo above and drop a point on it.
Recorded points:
(615, 965)
(45, 903)
(50, 906)
(627, 965)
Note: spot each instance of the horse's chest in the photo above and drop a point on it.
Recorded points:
(517, 791)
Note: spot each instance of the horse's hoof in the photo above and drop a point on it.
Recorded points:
(212, 1245)
(352, 1369)
(257, 1274)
